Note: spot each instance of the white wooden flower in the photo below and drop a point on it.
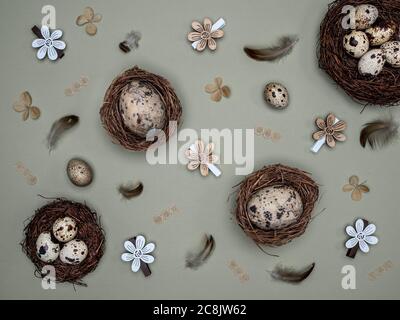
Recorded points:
(49, 43)
(138, 252)
(360, 236)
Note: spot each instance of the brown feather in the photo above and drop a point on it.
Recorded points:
(274, 53)
(194, 260)
(379, 133)
(291, 275)
(130, 191)
(58, 128)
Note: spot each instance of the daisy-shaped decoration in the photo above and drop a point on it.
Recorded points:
(356, 188)
(361, 237)
(202, 156)
(331, 130)
(217, 90)
(49, 43)
(138, 253)
(206, 34)
(89, 18)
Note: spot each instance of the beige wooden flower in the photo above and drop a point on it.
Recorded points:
(204, 35)
(217, 90)
(89, 18)
(24, 106)
(330, 130)
(355, 188)
(201, 156)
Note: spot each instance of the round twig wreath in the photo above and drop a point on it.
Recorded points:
(272, 176)
(89, 231)
(382, 90)
(111, 117)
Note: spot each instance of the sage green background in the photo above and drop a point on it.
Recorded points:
(202, 202)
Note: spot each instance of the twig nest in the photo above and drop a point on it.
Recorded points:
(79, 172)
(274, 205)
(276, 95)
(48, 240)
(374, 82)
(141, 108)
(136, 102)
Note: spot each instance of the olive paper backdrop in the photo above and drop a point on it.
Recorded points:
(202, 202)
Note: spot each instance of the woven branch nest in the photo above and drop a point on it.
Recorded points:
(89, 230)
(382, 90)
(271, 176)
(112, 119)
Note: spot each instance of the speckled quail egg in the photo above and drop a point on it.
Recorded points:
(371, 63)
(380, 34)
(366, 15)
(141, 108)
(65, 229)
(391, 51)
(74, 252)
(275, 207)
(356, 43)
(276, 95)
(79, 172)
(46, 249)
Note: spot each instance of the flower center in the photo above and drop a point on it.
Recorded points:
(360, 236)
(205, 35)
(329, 131)
(203, 158)
(48, 42)
(138, 253)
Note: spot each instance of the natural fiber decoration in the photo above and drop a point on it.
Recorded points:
(267, 177)
(382, 90)
(89, 230)
(112, 119)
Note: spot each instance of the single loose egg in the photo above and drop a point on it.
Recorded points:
(391, 50)
(276, 95)
(275, 207)
(46, 249)
(74, 252)
(380, 34)
(141, 108)
(371, 63)
(79, 172)
(356, 43)
(366, 16)
(65, 229)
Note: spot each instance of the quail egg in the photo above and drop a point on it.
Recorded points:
(46, 249)
(65, 229)
(276, 95)
(366, 15)
(74, 252)
(79, 172)
(356, 43)
(371, 64)
(391, 51)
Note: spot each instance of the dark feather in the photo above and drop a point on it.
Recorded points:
(379, 133)
(275, 53)
(130, 191)
(194, 260)
(58, 128)
(291, 275)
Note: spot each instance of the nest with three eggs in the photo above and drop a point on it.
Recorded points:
(66, 235)
(364, 59)
(274, 205)
(138, 104)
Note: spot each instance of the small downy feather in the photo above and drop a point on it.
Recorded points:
(379, 133)
(291, 275)
(274, 53)
(130, 191)
(194, 260)
(59, 128)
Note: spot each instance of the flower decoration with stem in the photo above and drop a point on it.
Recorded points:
(361, 237)
(49, 43)
(89, 18)
(138, 252)
(331, 130)
(217, 90)
(202, 156)
(356, 188)
(205, 34)
(24, 106)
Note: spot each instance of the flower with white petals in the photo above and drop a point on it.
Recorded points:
(49, 43)
(360, 236)
(138, 252)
